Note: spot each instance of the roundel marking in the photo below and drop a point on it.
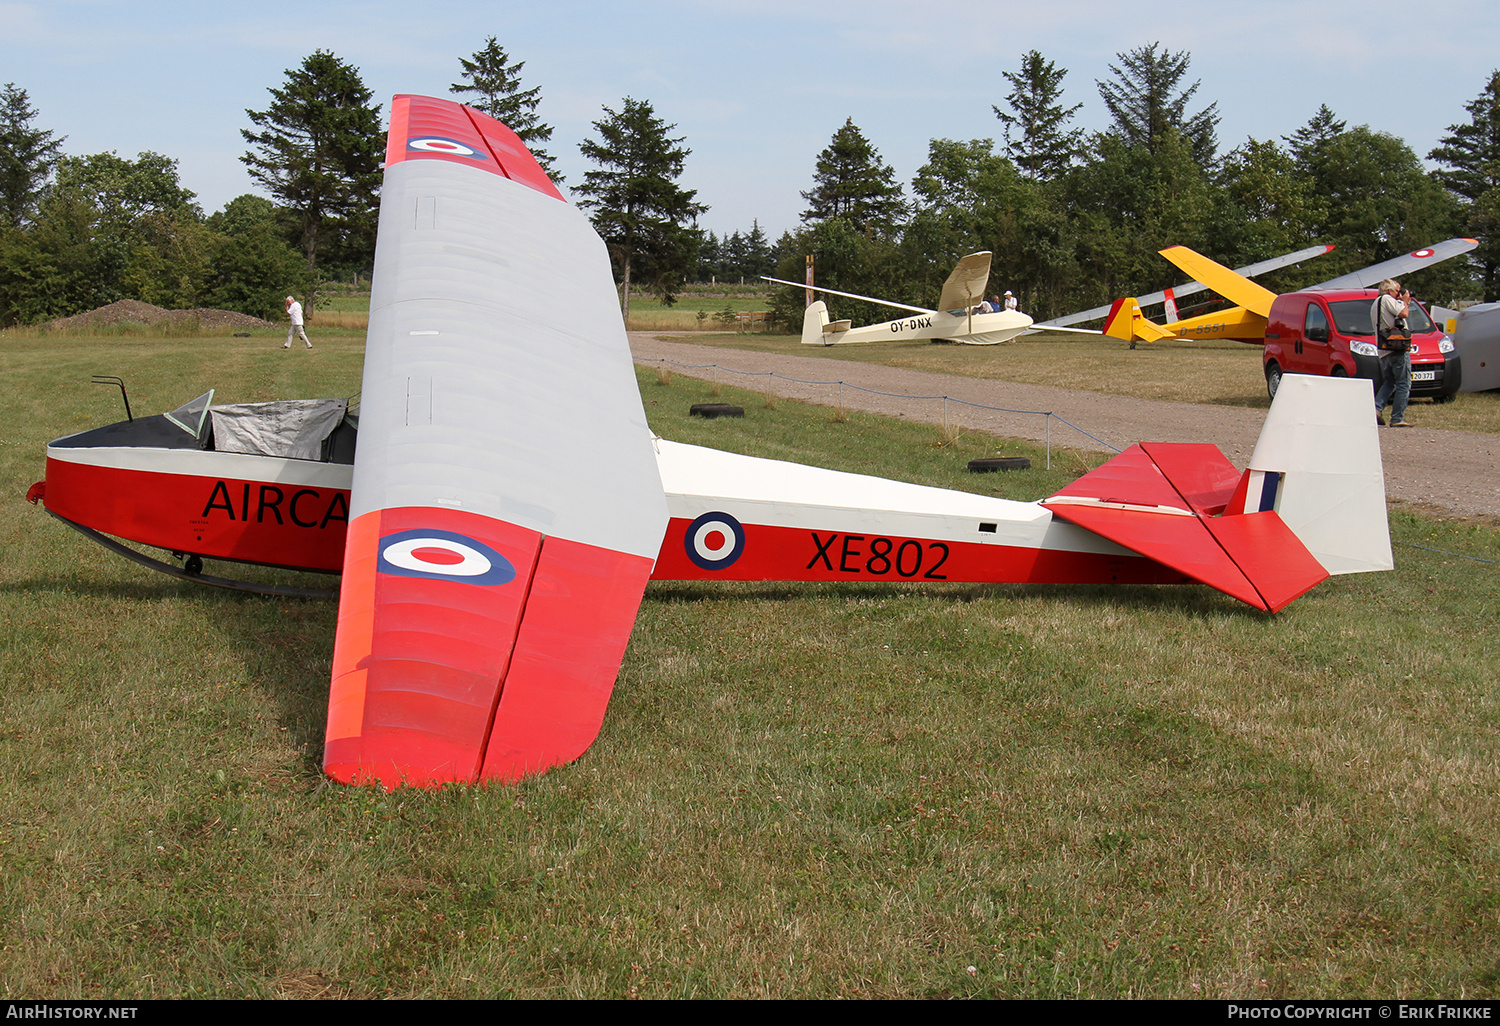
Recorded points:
(437, 144)
(1422, 253)
(714, 541)
(445, 556)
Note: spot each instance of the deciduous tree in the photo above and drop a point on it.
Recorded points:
(27, 156)
(497, 85)
(649, 223)
(1037, 139)
(319, 153)
(1145, 101)
(251, 268)
(853, 183)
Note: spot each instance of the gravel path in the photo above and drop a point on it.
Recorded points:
(1455, 471)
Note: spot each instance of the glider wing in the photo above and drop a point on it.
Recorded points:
(1232, 285)
(1192, 288)
(965, 286)
(506, 507)
(1414, 261)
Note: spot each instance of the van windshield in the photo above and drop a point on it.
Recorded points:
(1352, 317)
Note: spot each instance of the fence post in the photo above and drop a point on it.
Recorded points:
(1049, 440)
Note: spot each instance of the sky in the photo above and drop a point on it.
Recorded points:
(755, 89)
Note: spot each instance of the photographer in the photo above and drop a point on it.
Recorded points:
(1394, 341)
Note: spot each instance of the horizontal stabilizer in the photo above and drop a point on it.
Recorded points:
(1231, 285)
(1157, 499)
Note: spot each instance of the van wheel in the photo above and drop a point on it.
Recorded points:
(1444, 398)
(1338, 372)
(1273, 378)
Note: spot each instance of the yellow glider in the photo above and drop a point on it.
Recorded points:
(1247, 321)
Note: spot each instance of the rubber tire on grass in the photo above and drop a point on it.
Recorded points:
(1438, 400)
(989, 466)
(711, 411)
(1273, 378)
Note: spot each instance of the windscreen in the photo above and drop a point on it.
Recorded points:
(1352, 317)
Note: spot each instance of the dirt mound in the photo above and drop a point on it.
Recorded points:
(131, 311)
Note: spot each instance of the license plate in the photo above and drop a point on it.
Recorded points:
(1423, 375)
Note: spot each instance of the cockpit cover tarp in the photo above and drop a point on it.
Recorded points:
(292, 428)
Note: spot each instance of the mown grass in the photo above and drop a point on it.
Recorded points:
(1212, 372)
(871, 791)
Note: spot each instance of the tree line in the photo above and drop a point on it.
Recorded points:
(78, 232)
(1074, 219)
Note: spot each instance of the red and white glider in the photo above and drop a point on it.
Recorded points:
(508, 502)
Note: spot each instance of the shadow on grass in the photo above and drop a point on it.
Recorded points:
(1195, 602)
(284, 644)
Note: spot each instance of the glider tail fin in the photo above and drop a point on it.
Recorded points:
(1317, 464)
(812, 324)
(816, 329)
(1126, 321)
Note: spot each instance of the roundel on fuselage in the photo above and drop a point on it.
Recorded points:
(714, 541)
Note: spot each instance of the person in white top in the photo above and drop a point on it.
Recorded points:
(1389, 314)
(1010, 300)
(294, 313)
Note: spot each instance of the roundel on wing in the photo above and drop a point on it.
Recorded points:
(443, 556)
(714, 541)
(437, 144)
(1422, 253)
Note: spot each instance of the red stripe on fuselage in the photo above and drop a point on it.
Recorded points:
(796, 554)
(277, 524)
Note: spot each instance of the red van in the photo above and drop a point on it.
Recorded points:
(1328, 331)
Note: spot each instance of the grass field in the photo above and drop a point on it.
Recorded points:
(874, 791)
(1216, 373)
(352, 312)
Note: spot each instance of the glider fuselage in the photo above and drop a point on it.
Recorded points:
(982, 329)
(730, 517)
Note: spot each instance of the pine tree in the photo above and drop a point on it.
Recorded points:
(1145, 104)
(852, 182)
(27, 156)
(1471, 155)
(649, 224)
(1042, 146)
(319, 153)
(498, 85)
(1321, 129)
(758, 257)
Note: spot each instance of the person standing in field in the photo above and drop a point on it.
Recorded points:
(294, 313)
(1393, 338)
